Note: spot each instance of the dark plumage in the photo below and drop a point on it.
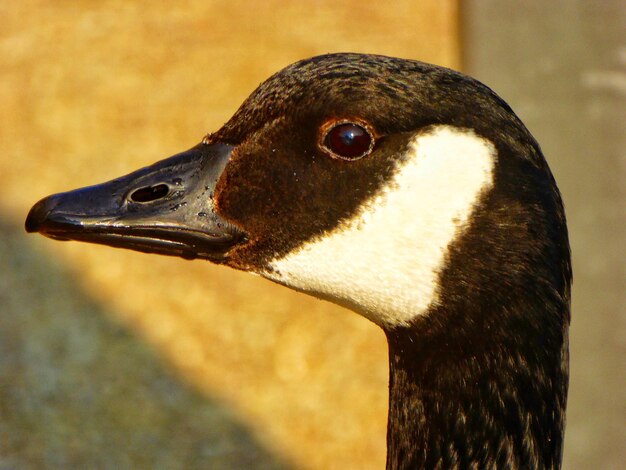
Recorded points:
(478, 378)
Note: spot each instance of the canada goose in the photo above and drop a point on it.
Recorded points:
(411, 194)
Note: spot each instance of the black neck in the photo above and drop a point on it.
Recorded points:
(467, 394)
(480, 379)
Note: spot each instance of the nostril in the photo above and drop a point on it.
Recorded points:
(149, 193)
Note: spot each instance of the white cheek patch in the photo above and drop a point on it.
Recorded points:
(387, 259)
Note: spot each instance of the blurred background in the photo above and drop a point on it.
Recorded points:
(114, 359)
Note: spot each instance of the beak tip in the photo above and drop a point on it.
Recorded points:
(38, 215)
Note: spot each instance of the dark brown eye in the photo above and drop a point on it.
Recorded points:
(349, 141)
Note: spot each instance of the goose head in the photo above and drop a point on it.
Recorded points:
(407, 192)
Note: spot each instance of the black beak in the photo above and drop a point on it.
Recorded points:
(166, 208)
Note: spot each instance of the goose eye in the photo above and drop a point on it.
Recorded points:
(348, 141)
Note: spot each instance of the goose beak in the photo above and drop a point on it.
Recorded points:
(166, 208)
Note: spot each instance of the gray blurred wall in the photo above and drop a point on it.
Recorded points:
(561, 65)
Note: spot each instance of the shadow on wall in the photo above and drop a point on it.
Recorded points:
(78, 391)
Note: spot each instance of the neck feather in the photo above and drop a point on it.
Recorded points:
(479, 380)
(481, 397)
